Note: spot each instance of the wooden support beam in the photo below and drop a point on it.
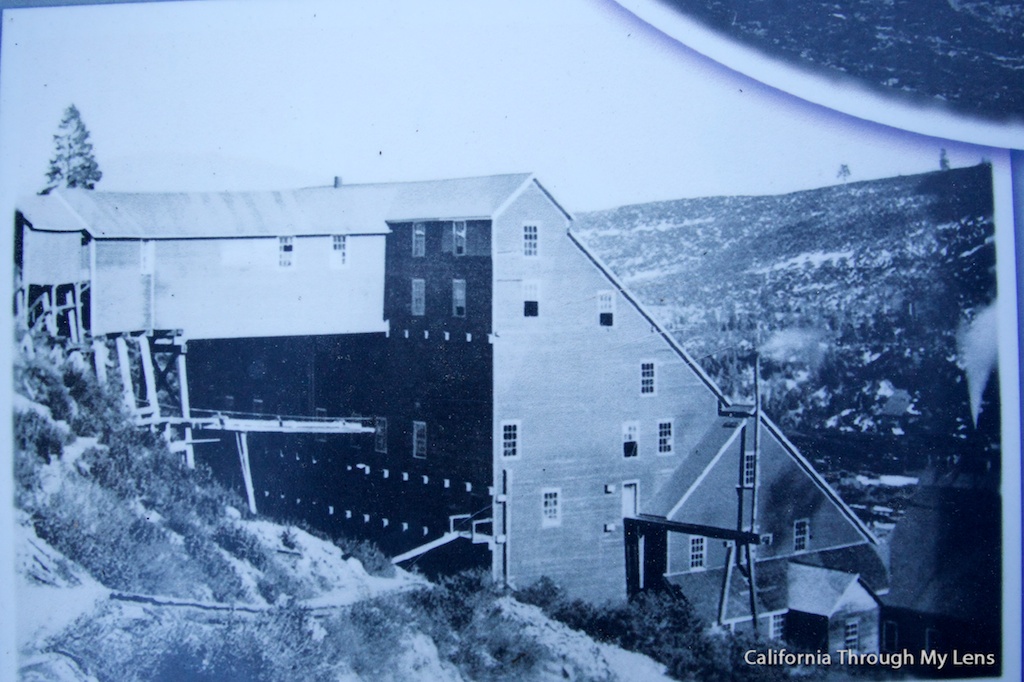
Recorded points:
(741, 537)
(99, 358)
(186, 408)
(723, 601)
(242, 441)
(148, 375)
(125, 367)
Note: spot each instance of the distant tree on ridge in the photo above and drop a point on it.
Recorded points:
(73, 163)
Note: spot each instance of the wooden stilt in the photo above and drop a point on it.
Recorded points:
(99, 357)
(753, 588)
(186, 408)
(242, 440)
(148, 375)
(124, 365)
(723, 602)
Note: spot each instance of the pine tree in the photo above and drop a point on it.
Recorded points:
(73, 163)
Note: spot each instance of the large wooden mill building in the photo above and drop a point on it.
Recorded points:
(452, 374)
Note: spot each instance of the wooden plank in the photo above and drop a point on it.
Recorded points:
(99, 357)
(148, 376)
(741, 537)
(423, 549)
(242, 440)
(124, 365)
(186, 408)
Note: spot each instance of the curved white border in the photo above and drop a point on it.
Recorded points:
(838, 93)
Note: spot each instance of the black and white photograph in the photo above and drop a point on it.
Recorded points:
(511, 341)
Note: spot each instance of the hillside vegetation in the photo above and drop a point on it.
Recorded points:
(870, 304)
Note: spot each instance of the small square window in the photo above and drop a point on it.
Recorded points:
(339, 250)
(666, 444)
(749, 469)
(697, 552)
(459, 238)
(285, 249)
(647, 378)
(606, 308)
(851, 635)
(510, 439)
(458, 298)
(530, 240)
(380, 434)
(801, 534)
(419, 240)
(419, 440)
(630, 445)
(778, 626)
(419, 297)
(551, 507)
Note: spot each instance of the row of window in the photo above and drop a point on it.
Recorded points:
(286, 251)
(531, 308)
(531, 239)
(511, 431)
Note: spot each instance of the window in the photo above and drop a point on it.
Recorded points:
(851, 635)
(419, 440)
(551, 508)
(777, 629)
(147, 256)
(510, 439)
(696, 552)
(767, 539)
(647, 384)
(380, 434)
(458, 298)
(801, 534)
(530, 237)
(339, 251)
(749, 469)
(419, 240)
(285, 248)
(606, 308)
(890, 636)
(419, 297)
(666, 444)
(630, 446)
(531, 298)
(931, 639)
(459, 238)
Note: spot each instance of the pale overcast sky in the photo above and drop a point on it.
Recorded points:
(259, 95)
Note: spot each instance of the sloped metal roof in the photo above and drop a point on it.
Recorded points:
(349, 209)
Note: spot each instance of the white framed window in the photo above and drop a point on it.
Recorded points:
(606, 308)
(801, 534)
(419, 297)
(666, 441)
(459, 238)
(749, 469)
(380, 434)
(531, 298)
(339, 251)
(285, 251)
(458, 298)
(551, 507)
(777, 628)
(419, 440)
(851, 635)
(531, 240)
(419, 240)
(630, 439)
(767, 539)
(698, 555)
(648, 378)
(147, 256)
(510, 431)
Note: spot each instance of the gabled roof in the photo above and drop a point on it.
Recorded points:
(691, 471)
(823, 592)
(349, 209)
